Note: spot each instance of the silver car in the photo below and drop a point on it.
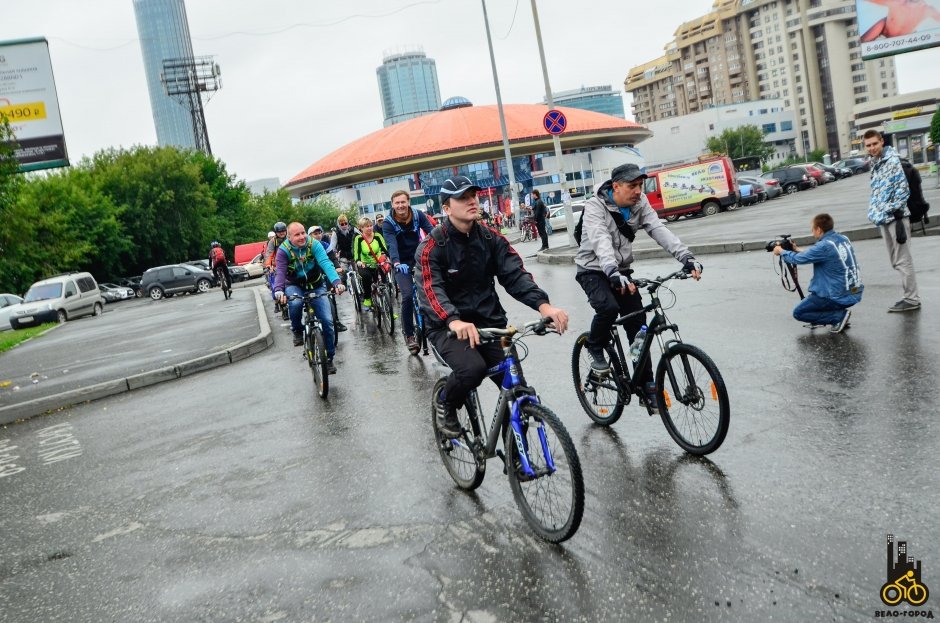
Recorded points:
(7, 301)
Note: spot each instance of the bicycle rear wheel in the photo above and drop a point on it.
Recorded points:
(552, 501)
(316, 356)
(458, 455)
(601, 397)
(696, 412)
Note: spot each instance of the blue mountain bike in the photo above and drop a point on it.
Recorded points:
(538, 455)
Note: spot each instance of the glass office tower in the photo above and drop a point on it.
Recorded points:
(601, 99)
(408, 85)
(164, 33)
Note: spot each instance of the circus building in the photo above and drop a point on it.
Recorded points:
(417, 155)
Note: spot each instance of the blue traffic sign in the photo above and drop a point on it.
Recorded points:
(555, 121)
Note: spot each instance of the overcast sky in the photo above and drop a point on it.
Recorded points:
(298, 76)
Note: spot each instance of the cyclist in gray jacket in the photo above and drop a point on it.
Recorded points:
(611, 219)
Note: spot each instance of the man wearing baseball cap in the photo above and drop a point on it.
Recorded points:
(456, 265)
(611, 219)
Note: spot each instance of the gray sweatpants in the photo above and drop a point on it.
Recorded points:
(901, 260)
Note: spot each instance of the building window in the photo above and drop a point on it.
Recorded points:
(769, 128)
(786, 126)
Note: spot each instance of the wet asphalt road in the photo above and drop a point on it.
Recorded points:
(238, 495)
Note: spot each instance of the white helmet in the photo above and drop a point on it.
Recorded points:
(271, 234)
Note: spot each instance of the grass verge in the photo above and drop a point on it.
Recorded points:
(9, 339)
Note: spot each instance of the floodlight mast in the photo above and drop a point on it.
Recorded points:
(186, 79)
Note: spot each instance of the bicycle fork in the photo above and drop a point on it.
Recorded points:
(528, 472)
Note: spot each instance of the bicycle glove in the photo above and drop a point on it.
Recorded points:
(690, 264)
(618, 281)
(402, 268)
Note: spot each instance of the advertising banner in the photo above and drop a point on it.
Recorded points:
(28, 100)
(693, 184)
(889, 27)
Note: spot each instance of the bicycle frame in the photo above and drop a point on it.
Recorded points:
(512, 396)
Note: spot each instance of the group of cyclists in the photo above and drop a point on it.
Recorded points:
(453, 264)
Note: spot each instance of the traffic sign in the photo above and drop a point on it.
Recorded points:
(554, 121)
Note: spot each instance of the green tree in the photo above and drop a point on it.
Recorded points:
(816, 155)
(935, 131)
(741, 142)
(15, 226)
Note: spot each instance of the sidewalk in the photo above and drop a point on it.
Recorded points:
(88, 359)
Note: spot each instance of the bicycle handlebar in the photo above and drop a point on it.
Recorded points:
(491, 334)
(653, 284)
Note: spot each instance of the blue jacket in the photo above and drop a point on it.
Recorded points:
(402, 243)
(889, 189)
(835, 269)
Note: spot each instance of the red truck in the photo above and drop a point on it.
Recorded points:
(706, 187)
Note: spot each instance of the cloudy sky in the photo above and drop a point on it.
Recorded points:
(299, 77)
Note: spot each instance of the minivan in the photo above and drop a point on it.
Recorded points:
(57, 299)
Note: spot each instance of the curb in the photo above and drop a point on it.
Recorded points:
(39, 406)
(565, 255)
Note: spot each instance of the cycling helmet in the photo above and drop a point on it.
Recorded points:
(280, 227)
(215, 244)
(271, 234)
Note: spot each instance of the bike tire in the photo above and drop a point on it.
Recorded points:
(602, 399)
(458, 455)
(357, 293)
(335, 313)
(698, 412)
(553, 503)
(388, 311)
(316, 357)
(420, 337)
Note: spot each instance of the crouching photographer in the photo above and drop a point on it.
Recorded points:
(836, 284)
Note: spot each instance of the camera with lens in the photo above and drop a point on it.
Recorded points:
(783, 241)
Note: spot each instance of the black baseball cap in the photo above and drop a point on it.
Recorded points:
(456, 186)
(627, 173)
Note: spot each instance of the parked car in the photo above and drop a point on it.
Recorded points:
(855, 165)
(790, 179)
(556, 218)
(113, 292)
(751, 192)
(165, 281)
(238, 273)
(133, 283)
(203, 264)
(771, 186)
(837, 173)
(817, 175)
(255, 267)
(57, 299)
(7, 301)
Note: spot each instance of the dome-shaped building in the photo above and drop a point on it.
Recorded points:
(419, 154)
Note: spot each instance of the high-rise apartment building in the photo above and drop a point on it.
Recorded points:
(600, 99)
(164, 34)
(408, 85)
(804, 52)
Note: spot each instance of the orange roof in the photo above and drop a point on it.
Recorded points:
(458, 136)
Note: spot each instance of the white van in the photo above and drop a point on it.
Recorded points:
(58, 299)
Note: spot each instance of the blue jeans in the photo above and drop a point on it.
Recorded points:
(321, 306)
(818, 310)
(405, 284)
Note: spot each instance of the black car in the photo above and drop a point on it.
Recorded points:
(855, 165)
(133, 283)
(791, 179)
(174, 279)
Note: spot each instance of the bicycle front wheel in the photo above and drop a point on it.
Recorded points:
(551, 501)
(693, 399)
(316, 357)
(388, 312)
(458, 455)
(335, 313)
(600, 396)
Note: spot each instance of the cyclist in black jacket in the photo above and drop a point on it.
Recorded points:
(456, 265)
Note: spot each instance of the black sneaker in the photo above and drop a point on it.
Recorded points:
(447, 423)
(284, 313)
(598, 360)
(298, 338)
(652, 400)
(277, 308)
(412, 344)
(339, 326)
(330, 368)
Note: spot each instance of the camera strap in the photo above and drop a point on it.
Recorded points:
(789, 277)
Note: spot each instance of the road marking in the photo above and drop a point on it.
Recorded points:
(8, 466)
(57, 443)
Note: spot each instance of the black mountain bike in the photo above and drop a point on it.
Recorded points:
(383, 299)
(421, 333)
(314, 344)
(538, 455)
(225, 284)
(693, 399)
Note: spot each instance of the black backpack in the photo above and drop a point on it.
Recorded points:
(916, 203)
(624, 228)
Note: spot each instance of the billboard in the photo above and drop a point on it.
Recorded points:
(889, 27)
(28, 99)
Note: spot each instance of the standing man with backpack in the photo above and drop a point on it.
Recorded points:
(888, 212)
(605, 236)
(540, 213)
